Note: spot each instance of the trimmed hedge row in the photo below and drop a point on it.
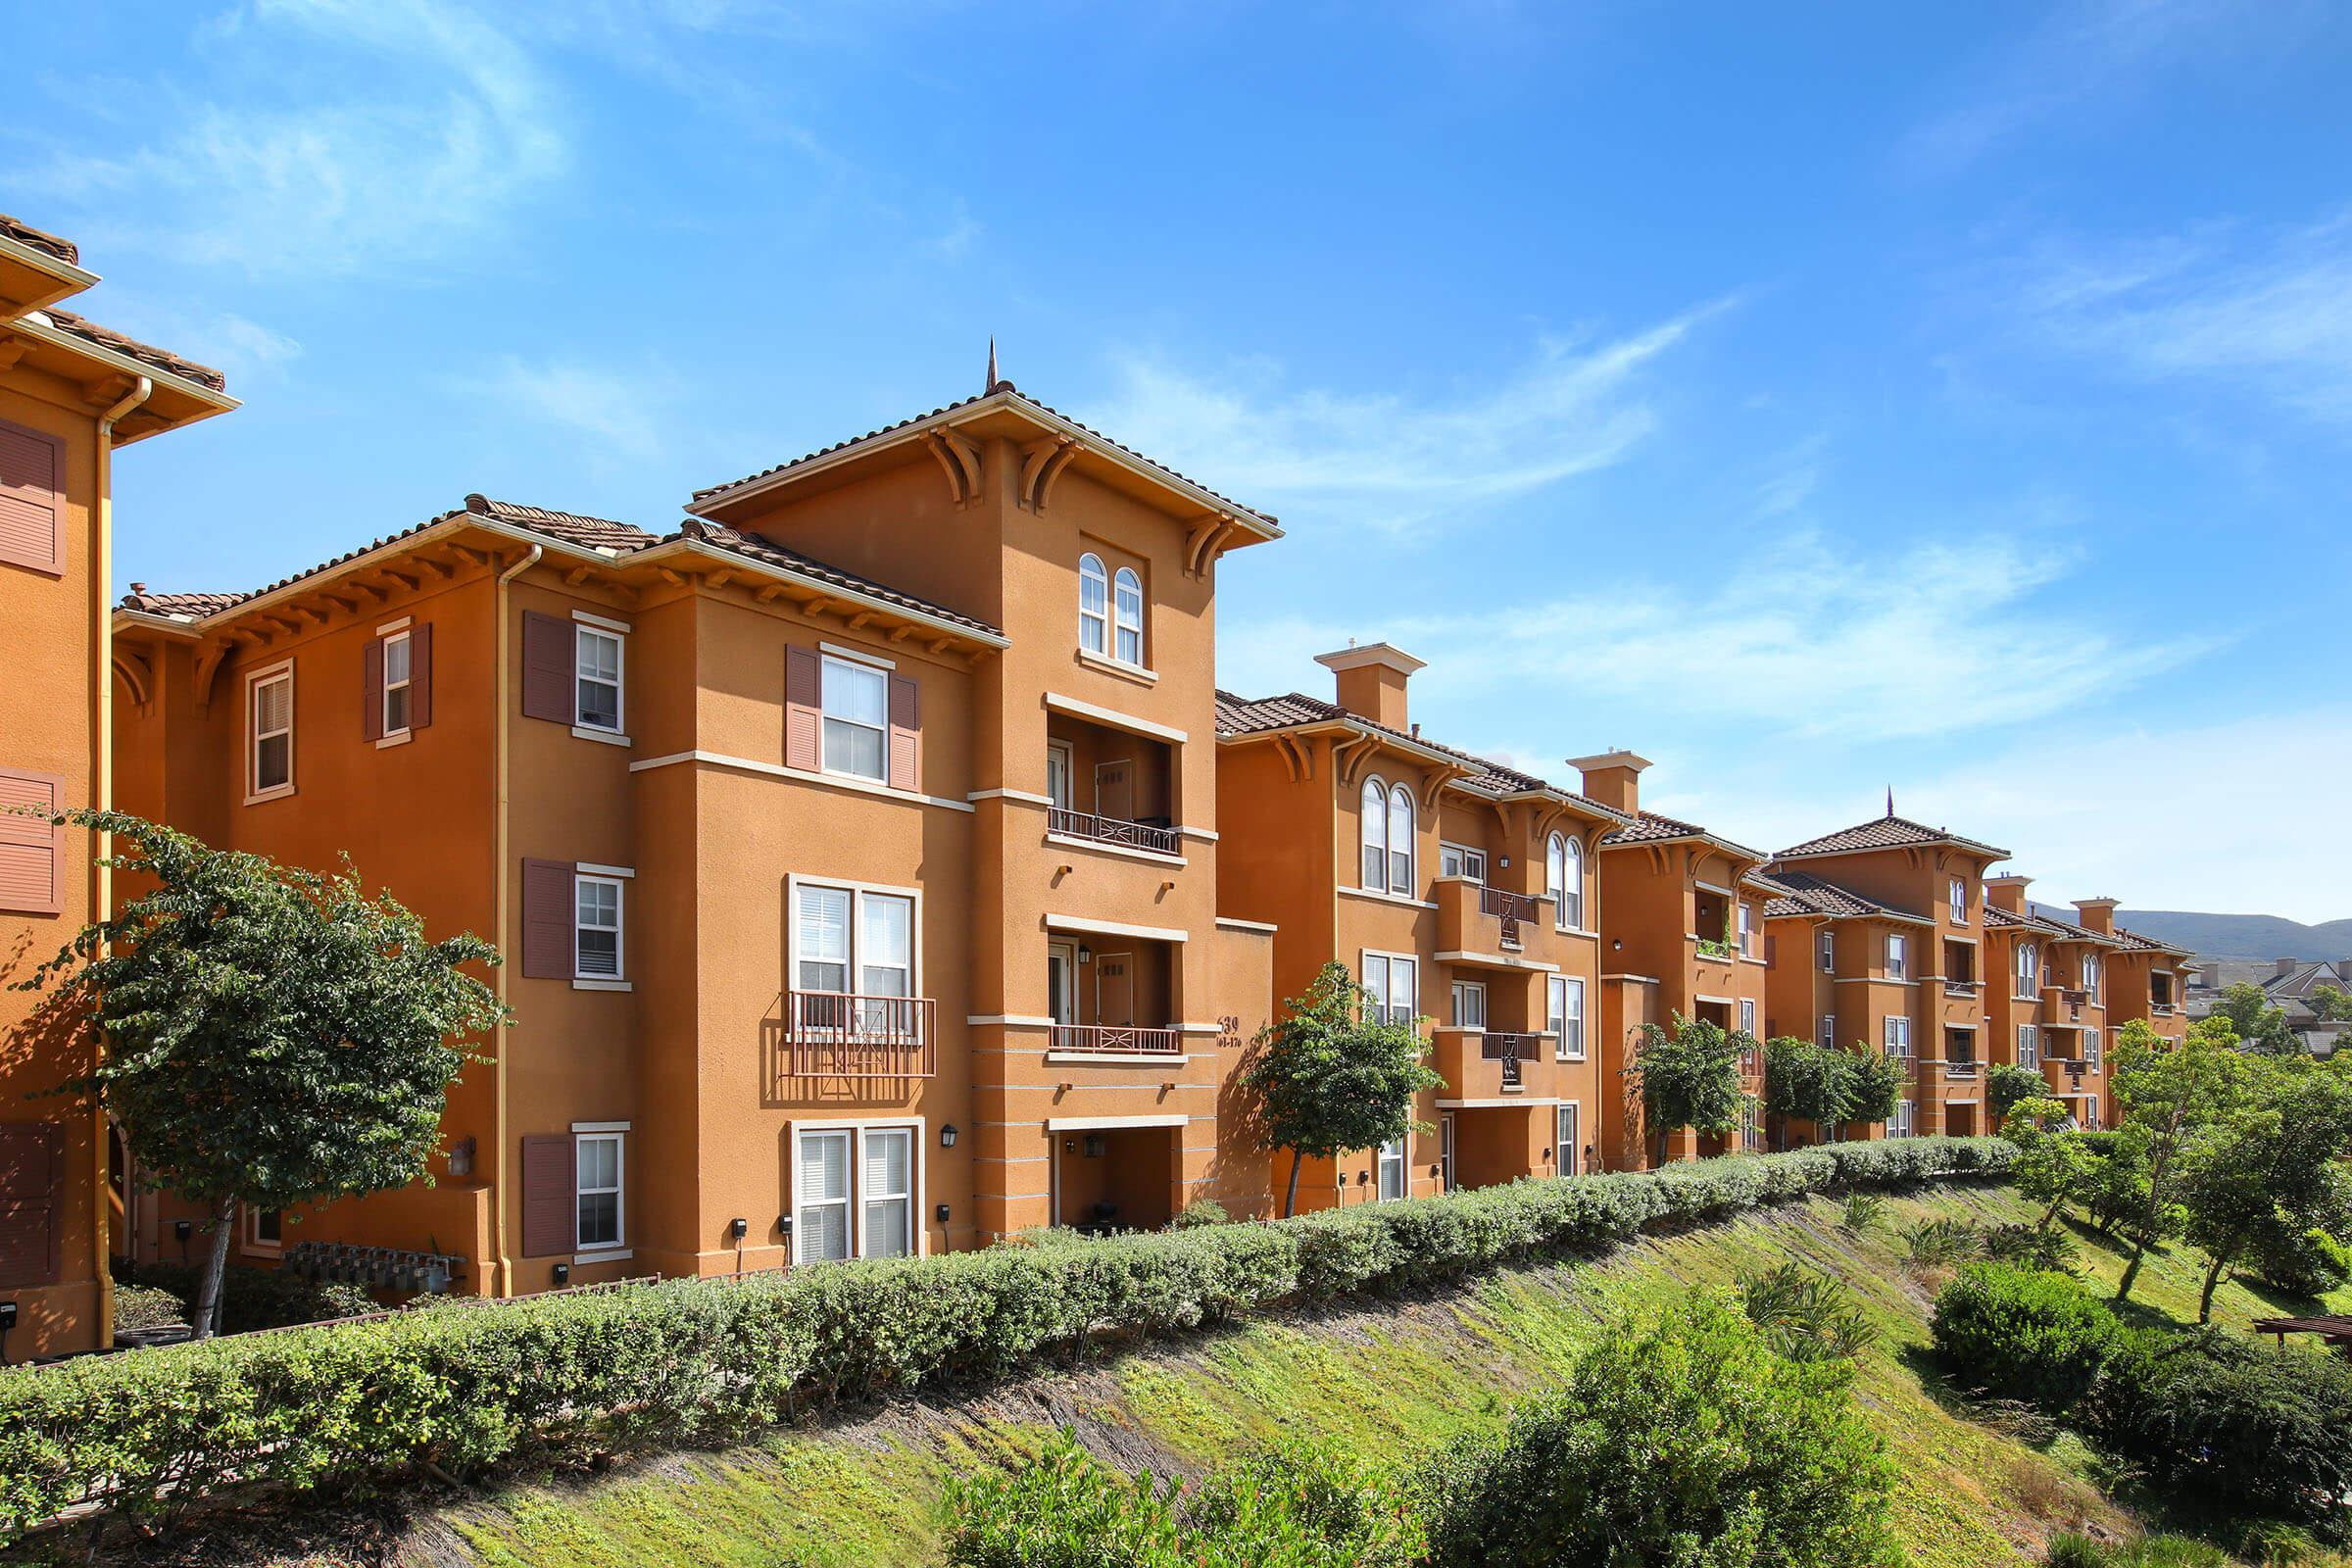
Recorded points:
(457, 1387)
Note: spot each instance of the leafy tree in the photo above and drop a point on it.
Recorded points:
(1688, 1076)
(1808, 1082)
(1331, 1077)
(2053, 1166)
(2174, 1097)
(1879, 1083)
(2331, 1003)
(2271, 1168)
(2006, 1085)
(2256, 1020)
(272, 1037)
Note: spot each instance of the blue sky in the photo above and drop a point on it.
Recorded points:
(1813, 399)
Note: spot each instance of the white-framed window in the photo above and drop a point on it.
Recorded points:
(2029, 1046)
(397, 669)
(269, 714)
(596, 683)
(1564, 1006)
(1094, 605)
(2090, 976)
(1746, 929)
(1751, 1123)
(820, 1196)
(1568, 1138)
(1127, 616)
(1958, 890)
(263, 1231)
(886, 1196)
(1747, 1016)
(855, 941)
(1899, 1124)
(1469, 1004)
(855, 699)
(1390, 982)
(2090, 1049)
(1375, 826)
(1564, 880)
(1392, 1170)
(1898, 957)
(1057, 773)
(1828, 1031)
(596, 1184)
(857, 1190)
(1898, 1035)
(1401, 838)
(1825, 948)
(596, 927)
(2029, 970)
(1459, 859)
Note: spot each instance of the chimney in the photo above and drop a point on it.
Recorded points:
(1371, 681)
(2343, 969)
(2096, 914)
(2008, 893)
(1613, 778)
(2280, 968)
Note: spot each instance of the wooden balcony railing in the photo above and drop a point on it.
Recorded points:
(1116, 1040)
(1511, 1048)
(835, 1034)
(1510, 908)
(1112, 830)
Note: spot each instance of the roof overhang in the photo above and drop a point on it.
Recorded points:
(30, 277)
(175, 400)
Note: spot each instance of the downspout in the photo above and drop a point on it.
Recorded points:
(102, 796)
(503, 1282)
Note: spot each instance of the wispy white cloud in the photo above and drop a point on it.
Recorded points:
(1390, 463)
(617, 413)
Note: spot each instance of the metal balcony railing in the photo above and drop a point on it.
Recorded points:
(837, 1034)
(1116, 1039)
(1116, 830)
(1512, 909)
(1512, 1050)
(1960, 988)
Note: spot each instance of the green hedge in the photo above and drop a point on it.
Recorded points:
(2021, 1334)
(460, 1387)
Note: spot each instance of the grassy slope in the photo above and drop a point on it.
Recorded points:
(1396, 1378)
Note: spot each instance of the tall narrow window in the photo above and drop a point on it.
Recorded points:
(1959, 895)
(596, 928)
(885, 943)
(598, 1185)
(1826, 946)
(597, 678)
(1567, 1138)
(1747, 1016)
(857, 707)
(1401, 838)
(396, 683)
(1392, 1169)
(1899, 1124)
(2029, 1046)
(1127, 608)
(1057, 773)
(1094, 605)
(1375, 826)
(272, 728)
(824, 939)
(2029, 970)
(1828, 1030)
(1898, 1035)
(887, 1197)
(2091, 1050)
(1898, 957)
(1566, 1005)
(821, 1189)
(1469, 1004)
(2090, 976)
(1747, 930)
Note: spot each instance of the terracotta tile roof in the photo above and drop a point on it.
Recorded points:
(1997, 918)
(600, 534)
(1001, 388)
(1888, 832)
(2134, 942)
(24, 233)
(1243, 715)
(1803, 892)
(2069, 931)
(755, 548)
(153, 358)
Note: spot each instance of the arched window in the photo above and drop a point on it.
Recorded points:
(1401, 838)
(1564, 879)
(1127, 606)
(2028, 967)
(1376, 834)
(1094, 605)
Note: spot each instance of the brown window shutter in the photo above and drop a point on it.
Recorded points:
(32, 854)
(548, 665)
(905, 734)
(372, 689)
(551, 1211)
(546, 915)
(1772, 952)
(33, 1171)
(32, 502)
(803, 700)
(420, 677)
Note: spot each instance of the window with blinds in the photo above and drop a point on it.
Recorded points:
(821, 1229)
(887, 1192)
(271, 726)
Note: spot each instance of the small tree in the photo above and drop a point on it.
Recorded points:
(1331, 1076)
(2174, 1096)
(2331, 1003)
(1688, 1076)
(2052, 1165)
(272, 1037)
(2007, 1085)
(1808, 1082)
(1879, 1081)
(2258, 1022)
(2271, 1169)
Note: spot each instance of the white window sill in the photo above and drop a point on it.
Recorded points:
(1383, 896)
(602, 985)
(399, 737)
(610, 737)
(277, 794)
(603, 1254)
(868, 780)
(1127, 851)
(1116, 1058)
(1119, 668)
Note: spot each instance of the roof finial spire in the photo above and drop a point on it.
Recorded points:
(1891, 799)
(992, 365)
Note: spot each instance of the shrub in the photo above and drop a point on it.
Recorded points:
(2042, 1248)
(2018, 1334)
(2298, 1262)
(147, 1306)
(1804, 1315)
(2070, 1551)
(2006, 1084)
(263, 1297)
(1863, 1211)
(463, 1386)
(1200, 1211)
(1942, 1243)
(1681, 1439)
(2254, 1430)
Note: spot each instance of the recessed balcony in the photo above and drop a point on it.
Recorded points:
(1483, 1063)
(1155, 838)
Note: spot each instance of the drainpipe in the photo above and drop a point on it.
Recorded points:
(502, 1283)
(102, 796)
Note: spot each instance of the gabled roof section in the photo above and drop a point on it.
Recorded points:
(1888, 832)
(1801, 893)
(1651, 828)
(1239, 718)
(999, 395)
(1997, 918)
(154, 359)
(767, 553)
(2134, 941)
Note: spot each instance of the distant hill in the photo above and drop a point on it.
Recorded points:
(2243, 936)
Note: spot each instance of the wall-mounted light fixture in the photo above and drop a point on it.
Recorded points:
(947, 1135)
(1086, 954)
(562, 1274)
(461, 1157)
(1096, 1145)
(739, 1228)
(182, 1230)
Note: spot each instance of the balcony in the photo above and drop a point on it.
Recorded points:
(1114, 1040)
(838, 1035)
(1475, 919)
(1480, 1063)
(1156, 838)
(1720, 952)
(2162, 1009)
(1960, 989)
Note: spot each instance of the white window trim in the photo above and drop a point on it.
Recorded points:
(1142, 604)
(1568, 1160)
(1825, 950)
(1363, 968)
(1891, 1025)
(825, 716)
(1412, 840)
(2029, 1044)
(249, 1239)
(1404, 1169)
(1102, 575)
(617, 733)
(253, 793)
(395, 733)
(857, 1128)
(619, 979)
(1374, 791)
(1069, 780)
(1898, 955)
(1825, 1030)
(1461, 991)
(621, 1188)
(1748, 1017)
(793, 882)
(1956, 900)
(1570, 986)
(1467, 851)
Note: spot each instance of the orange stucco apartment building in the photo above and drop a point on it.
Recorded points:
(855, 847)
(71, 392)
